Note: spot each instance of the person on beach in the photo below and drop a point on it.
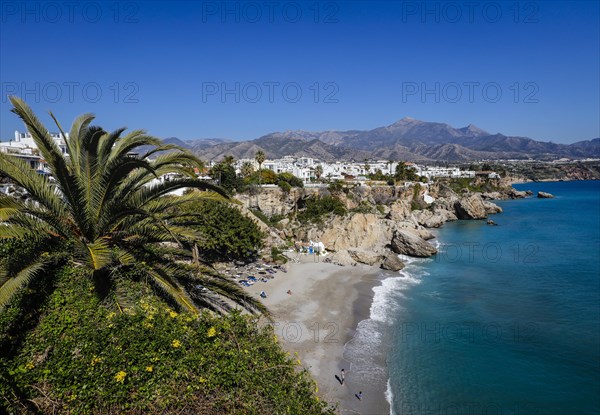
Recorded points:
(342, 375)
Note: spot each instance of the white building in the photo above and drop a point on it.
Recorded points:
(24, 147)
(23, 143)
(305, 168)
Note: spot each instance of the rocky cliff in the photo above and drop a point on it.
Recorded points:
(382, 222)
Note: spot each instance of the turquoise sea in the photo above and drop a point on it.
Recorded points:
(505, 319)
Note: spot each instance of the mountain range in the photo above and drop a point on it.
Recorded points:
(407, 139)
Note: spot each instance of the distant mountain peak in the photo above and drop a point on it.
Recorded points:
(407, 120)
(473, 131)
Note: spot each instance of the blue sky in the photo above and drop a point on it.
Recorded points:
(241, 69)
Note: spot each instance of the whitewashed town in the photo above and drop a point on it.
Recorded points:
(304, 168)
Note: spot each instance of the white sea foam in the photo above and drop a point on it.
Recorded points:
(367, 349)
(389, 396)
(385, 304)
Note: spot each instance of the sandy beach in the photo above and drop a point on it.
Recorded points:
(316, 321)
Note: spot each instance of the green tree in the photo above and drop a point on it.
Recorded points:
(229, 160)
(225, 175)
(247, 169)
(226, 233)
(105, 203)
(289, 178)
(318, 171)
(378, 175)
(266, 176)
(367, 167)
(405, 173)
(260, 159)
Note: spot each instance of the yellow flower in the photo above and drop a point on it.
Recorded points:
(147, 325)
(120, 376)
(176, 343)
(211, 332)
(298, 362)
(149, 369)
(173, 314)
(95, 360)
(29, 366)
(202, 380)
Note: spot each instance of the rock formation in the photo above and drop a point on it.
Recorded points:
(392, 263)
(365, 257)
(434, 219)
(395, 226)
(409, 244)
(470, 207)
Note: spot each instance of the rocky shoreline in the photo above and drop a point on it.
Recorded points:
(383, 221)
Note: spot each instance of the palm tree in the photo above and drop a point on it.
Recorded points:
(260, 159)
(109, 206)
(229, 160)
(367, 167)
(247, 169)
(318, 171)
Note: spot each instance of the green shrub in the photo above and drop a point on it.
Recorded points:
(270, 221)
(318, 207)
(284, 186)
(270, 177)
(289, 178)
(335, 187)
(86, 357)
(277, 255)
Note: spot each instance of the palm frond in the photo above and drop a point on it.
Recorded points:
(10, 285)
(171, 289)
(52, 155)
(227, 288)
(99, 254)
(107, 143)
(130, 142)
(38, 187)
(78, 129)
